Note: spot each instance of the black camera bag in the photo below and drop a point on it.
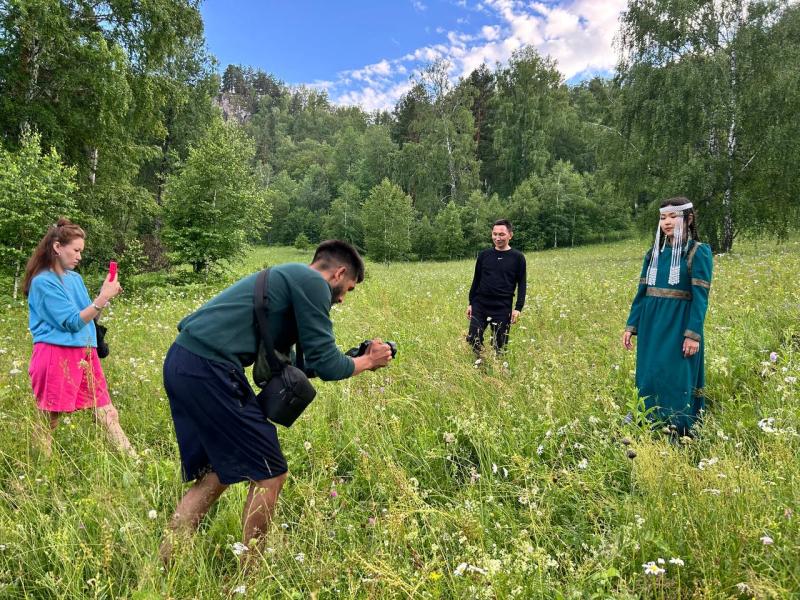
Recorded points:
(102, 345)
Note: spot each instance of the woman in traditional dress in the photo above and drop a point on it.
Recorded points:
(667, 315)
(65, 370)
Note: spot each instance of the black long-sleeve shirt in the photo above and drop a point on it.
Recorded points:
(497, 274)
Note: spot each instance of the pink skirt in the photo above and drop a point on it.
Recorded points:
(66, 379)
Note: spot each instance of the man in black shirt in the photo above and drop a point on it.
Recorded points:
(498, 272)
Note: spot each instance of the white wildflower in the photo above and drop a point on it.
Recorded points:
(707, 462)
(651, 568)
(474, 569)
(676, 561)
(152, 514)
(584, 464)
(766, 540)
(239, 548)
(540, 450)
(300, 557)
(307, 445)
(449, 438)
(465, 567)
(240, 590)
(15, 371)
(767, 425)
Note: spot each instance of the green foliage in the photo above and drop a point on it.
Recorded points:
(36, 188)
(215, 206)
(708, 90)
(301, 242)
(343, 221)
(554, 210)
(121, 90)
(449, 237)
(530, 103)
(477, 217)
(387, 216)
(423, 239)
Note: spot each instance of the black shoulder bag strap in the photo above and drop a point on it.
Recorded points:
(260, 306)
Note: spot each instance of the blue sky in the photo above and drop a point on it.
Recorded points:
(364, 52)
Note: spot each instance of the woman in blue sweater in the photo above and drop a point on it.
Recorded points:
(65, 370)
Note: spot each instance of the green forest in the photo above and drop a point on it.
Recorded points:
(115, 114)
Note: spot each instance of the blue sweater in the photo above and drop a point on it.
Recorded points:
(55, 303)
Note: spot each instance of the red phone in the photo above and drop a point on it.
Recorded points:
(112, 270)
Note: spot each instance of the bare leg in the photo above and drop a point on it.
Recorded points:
(258, 509)
(43, 432)
(108, 417)
(192, 508)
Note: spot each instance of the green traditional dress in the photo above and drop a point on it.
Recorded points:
(663, 315)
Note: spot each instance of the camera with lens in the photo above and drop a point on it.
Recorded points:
(364, 346)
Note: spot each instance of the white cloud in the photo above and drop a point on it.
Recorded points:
(371, 98)
(490, 32)
(379, 69)
(578, 34)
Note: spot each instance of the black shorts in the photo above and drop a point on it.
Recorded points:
(218, 423)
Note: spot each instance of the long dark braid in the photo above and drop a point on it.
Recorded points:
(689, 225)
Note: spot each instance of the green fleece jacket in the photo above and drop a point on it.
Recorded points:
(299, 304)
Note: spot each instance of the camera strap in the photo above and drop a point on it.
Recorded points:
(260, 307)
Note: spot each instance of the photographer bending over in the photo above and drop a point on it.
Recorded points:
(223, 436)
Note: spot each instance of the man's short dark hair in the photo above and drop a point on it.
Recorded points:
(504, 223)
(336, 253)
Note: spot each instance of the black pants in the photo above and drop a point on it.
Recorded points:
(495, 315)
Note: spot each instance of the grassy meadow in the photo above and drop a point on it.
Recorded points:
(433, 478)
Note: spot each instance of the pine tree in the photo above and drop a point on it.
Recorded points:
(387, 216)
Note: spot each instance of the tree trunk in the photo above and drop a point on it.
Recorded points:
(16, 278)
(93, 158)
(30, 60)
(555, 228)
(726, 243)
(450, 165)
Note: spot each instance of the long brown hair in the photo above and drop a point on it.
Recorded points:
(44, 257)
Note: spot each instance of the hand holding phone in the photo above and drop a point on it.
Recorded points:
(112, 270)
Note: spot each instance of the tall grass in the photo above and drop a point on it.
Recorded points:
(451, 481)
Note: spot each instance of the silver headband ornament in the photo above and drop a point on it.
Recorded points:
(677, 247)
